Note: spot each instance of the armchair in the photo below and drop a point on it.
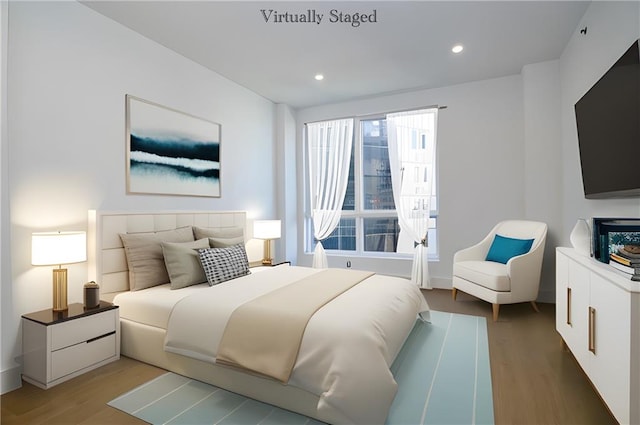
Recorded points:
(514, 281)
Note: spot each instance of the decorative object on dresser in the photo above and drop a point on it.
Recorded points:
(608, 232)
(626, 258)
(58, 248)
(60, 345)
(171, 152)
(267, 230)
(597, 311)
(580, 237)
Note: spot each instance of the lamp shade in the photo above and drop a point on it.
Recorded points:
(266, 229)
(49, 248)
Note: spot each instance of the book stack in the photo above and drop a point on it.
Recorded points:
(627, 260)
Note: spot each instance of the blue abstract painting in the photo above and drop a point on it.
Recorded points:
(171, 152)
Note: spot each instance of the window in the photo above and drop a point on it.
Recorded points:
(369, 223)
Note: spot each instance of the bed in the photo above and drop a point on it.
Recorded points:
(341, 371)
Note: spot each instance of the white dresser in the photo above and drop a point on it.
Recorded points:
(58, 346)
(598, 317)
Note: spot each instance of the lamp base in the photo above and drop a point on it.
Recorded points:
(267, 260)
(60, 290)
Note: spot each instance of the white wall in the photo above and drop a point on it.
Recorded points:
(543, 160)
(611, 29)
(9, 380)
(286, 248)
(481, 154)
(69, 69)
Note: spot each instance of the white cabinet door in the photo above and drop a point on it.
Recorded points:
(578, 338)
(611, 335)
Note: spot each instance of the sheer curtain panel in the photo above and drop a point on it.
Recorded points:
(412, 142)
(329, 148)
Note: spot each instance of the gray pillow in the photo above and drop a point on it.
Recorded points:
(220, 238)
(222, 264)
(183, 262)
(144, 255)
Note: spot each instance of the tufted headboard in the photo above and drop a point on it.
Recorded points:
(107, 262)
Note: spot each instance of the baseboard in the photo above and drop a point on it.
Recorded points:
(441, 282)
(10, 379)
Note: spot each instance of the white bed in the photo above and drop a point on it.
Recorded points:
(325, 384)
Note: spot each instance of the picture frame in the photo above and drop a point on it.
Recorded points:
(602, 245)
(169, 152)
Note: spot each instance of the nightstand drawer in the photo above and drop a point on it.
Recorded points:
(79, 356)
(77, 331)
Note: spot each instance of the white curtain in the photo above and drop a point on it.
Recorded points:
(329, 148)
(412, 141)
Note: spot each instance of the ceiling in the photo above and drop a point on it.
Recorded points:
(407, 48)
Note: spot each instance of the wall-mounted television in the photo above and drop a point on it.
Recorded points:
(608, 121)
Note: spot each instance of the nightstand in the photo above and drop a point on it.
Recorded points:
(58, 346)
(260, 267)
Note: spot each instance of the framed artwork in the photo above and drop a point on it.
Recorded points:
(170, 152)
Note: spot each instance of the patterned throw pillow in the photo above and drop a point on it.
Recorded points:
(222, 264)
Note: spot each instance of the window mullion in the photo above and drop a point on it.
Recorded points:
(357, 160)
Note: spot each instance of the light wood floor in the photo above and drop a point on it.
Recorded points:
(534, 380)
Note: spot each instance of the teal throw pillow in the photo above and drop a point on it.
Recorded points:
(503, 248)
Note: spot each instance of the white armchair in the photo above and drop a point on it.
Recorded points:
(515, 281)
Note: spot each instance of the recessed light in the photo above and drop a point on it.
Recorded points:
(457, 48)
(319, 77)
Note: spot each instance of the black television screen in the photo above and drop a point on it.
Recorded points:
(608, 121)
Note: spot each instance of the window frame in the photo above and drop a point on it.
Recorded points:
(359, 214)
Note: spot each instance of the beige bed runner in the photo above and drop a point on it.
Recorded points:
(264, 335)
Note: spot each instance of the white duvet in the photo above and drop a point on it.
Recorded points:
(347, 348)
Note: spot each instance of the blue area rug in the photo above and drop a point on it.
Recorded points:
(443, 376)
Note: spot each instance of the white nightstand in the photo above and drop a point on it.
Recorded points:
(261, 267)
(58, 346)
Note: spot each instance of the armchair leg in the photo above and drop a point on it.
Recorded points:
(496, 309)
(535, 306)
(454, 293)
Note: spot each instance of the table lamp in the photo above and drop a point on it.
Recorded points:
(267, 230)
(58, 248)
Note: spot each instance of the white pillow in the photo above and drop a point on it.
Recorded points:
(144, 255)
(183, 262)
(220, 238)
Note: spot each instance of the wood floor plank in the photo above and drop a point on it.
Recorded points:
(534, 380)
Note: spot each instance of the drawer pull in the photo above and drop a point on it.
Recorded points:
(100, 337)
(592, 330)
(569, 306)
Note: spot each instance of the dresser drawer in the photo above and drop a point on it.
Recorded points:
(76, 331)
(79, 356)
